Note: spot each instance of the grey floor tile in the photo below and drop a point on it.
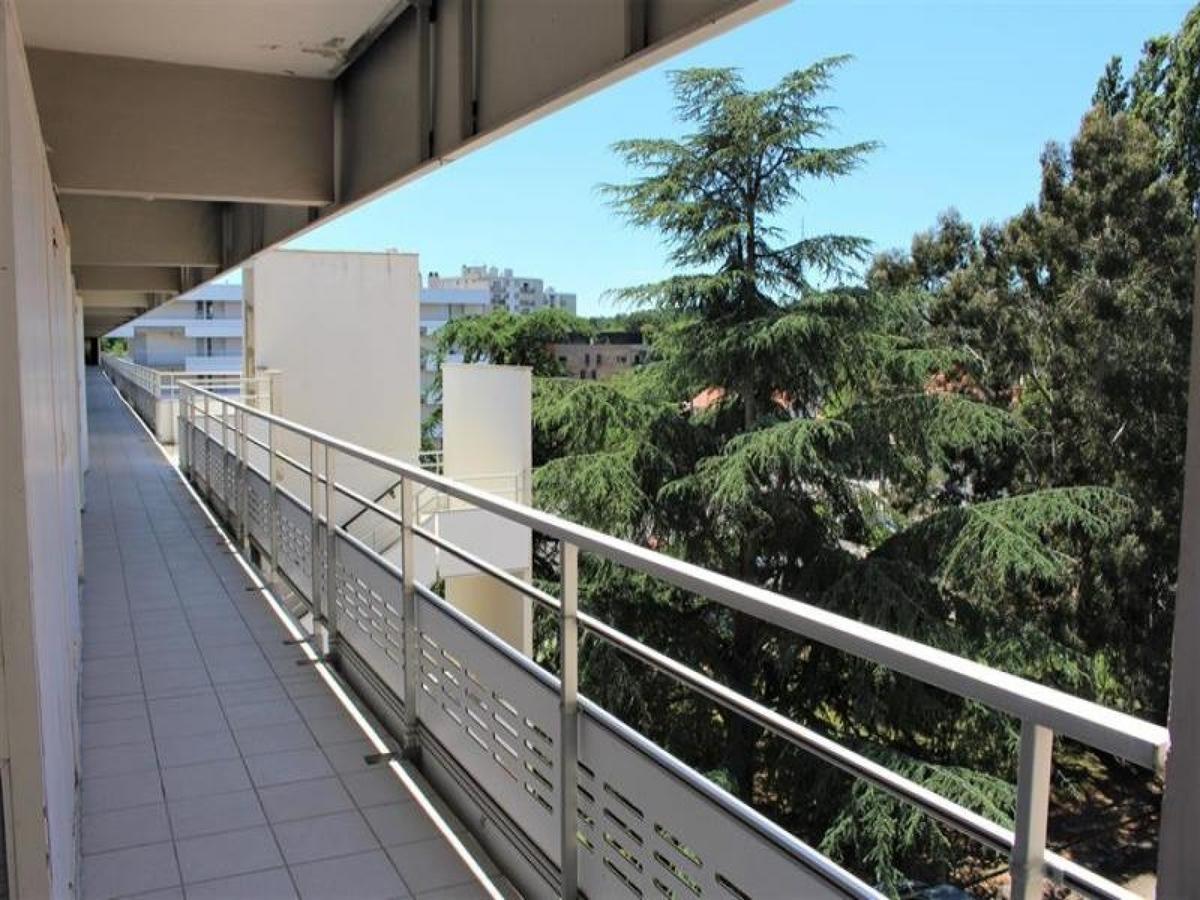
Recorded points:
(267, 712)
(131, 871)
(110, 710)
(254, 692)
(183, 724)
(305, 799)
(209, 814)
(351, 757)
(111, 684)
(114, 732)
(366, 876)
(320, 706)
(470, 891)
(124, 828)
(185, 673)
(117, 665)
(219, 777)
(339, 729)
(375, 787)
(176, 682)
(228, 853)
(400, 823)
(338, 834)
(189, 749)
(174, 893)
(273, 738)
(272, 884)
(426, 865)
(111, 792)
(200, 703)
(288, 765)
(122, 759)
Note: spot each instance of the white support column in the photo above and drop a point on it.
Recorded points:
(1178, 860)
(487, 443)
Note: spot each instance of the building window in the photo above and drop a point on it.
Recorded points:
(587, 359)
(599, 359)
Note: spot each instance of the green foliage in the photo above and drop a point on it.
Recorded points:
(1163, 92)
(980, 448)
(886, 834)
(850, 447)
(505, 338)
(1076, 317)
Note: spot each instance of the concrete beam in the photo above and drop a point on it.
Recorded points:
(128, 278)
(101, 301)
(260, 158)
(111, 231)
(444, 78)
(107, 310)
(130, 127)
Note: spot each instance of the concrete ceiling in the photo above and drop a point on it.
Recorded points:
(310, 38)
(185, 137)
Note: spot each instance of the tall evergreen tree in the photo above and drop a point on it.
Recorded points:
(820, 440)
(1164, 92)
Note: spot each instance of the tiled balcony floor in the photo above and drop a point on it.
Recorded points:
(214, 766)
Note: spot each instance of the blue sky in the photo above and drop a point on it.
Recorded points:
(963, 94)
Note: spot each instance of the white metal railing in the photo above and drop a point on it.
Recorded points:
(220, 363)
(154, 392)
(422, 648)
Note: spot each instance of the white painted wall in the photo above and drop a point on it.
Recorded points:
(39, 500)
(341, 330)
(487, 442)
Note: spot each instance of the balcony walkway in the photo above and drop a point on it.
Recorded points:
(214, 766)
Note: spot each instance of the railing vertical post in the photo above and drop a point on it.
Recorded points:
(207, 466)
(181, 431)
(243, 478)
(225, 457)
(191, 450)
(272, 504)
(568, 745)
(330, 593)
(1027, 865)
(314, 544)
(408, 613)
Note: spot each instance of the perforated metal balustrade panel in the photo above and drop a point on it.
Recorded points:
(649, 827)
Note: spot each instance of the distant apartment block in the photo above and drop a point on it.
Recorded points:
(517, 293)
(200, 331)
(602, 356)
(440, 305)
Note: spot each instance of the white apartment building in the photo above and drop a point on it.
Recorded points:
(440, 305)
(517, 293)
(200, 331)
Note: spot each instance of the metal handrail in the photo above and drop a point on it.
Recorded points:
(1043, 711)
(1123, 735)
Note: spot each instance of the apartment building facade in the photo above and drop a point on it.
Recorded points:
(516, 293)
(602, 356)
(199, 331)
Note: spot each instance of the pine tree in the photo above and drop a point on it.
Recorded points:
(824, 441)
